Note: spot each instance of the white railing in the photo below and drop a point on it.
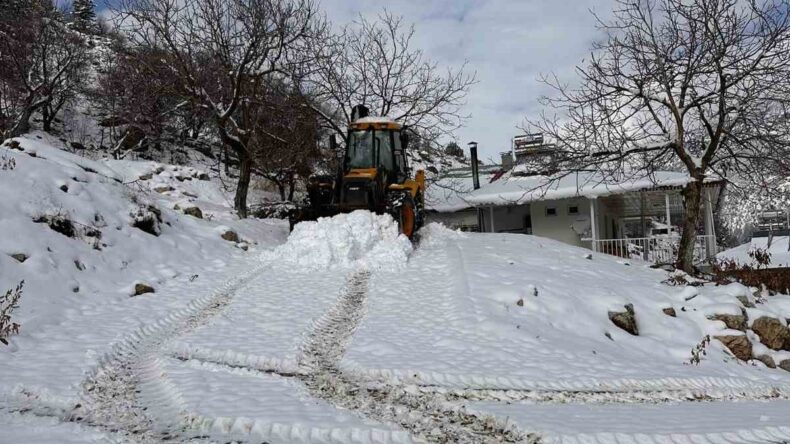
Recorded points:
(657, 249)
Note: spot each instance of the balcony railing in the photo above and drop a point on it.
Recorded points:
(657, 249)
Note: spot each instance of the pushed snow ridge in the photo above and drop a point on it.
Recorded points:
(360, 239)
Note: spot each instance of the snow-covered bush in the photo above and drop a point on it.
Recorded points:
(7, 163)
(147, 218)
(8, 303)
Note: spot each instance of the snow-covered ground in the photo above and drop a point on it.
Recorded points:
(347, 333)
(779, 250)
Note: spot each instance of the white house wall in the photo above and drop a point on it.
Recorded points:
(559, 227)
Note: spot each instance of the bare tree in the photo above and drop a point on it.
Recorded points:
(287, 135)
(219, 50)
(42, 63)
(376, 64)
(699, 85)
(138, 91)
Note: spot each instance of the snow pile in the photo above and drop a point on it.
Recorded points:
(359, 239)
(436, 234)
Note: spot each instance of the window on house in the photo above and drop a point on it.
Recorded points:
(551, 211)
(573, 209)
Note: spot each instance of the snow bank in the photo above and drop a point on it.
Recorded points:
(779, 249)
(358, 239)
(437, 234)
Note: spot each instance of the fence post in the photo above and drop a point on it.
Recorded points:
(592, 225)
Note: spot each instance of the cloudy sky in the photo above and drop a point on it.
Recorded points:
(508, 43)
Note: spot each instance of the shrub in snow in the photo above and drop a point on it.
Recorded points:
(7, 163)
(147, 218)
(62, 223)
(8, 303)
(59, 223)
(755, 274)
(699, 351)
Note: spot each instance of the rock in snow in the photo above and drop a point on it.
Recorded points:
(140, 288)
(735, 322)
(625, 319)
(772, 333)
(739, 345)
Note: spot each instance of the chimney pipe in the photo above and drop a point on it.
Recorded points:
(475, 172)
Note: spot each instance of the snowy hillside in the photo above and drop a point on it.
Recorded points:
(84, 233)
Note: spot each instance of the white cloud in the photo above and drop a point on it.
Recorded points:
(509, 43)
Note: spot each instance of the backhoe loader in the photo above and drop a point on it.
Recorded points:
(373, 175)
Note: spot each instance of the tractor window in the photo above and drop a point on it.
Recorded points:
(400, 157)
(360, 150)
(385, 149)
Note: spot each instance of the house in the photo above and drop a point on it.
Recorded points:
(444, 199)
(640, 216)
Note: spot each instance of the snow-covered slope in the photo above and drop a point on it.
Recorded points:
(779, 249)
(85, 238)
(515, 311)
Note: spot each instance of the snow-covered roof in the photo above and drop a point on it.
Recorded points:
(374, 119)
(447, 194)
(513, 189)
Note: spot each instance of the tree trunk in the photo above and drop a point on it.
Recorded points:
(692, 198)
(281, 189)
(291, 189)
(245, 168)
(46, 118)
(22, 124)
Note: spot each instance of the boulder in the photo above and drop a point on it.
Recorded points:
(772, 333)
(146, 176)
(734, 322)
(230, 236)
(767, 360)
(669, 311)
(626, 320)
(140, 288)
(203, 176)
(194, 212)
(785, 365)
(19, 257)
(163, 189)
(745, 301)
(739, 345)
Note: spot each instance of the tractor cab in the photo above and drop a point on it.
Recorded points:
(374, 175)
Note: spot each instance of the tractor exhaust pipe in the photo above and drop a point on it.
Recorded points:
(475, 171)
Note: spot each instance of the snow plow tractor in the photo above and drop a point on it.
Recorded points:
(373, 175)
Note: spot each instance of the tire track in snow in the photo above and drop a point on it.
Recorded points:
(113, 395)
(426, 415)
